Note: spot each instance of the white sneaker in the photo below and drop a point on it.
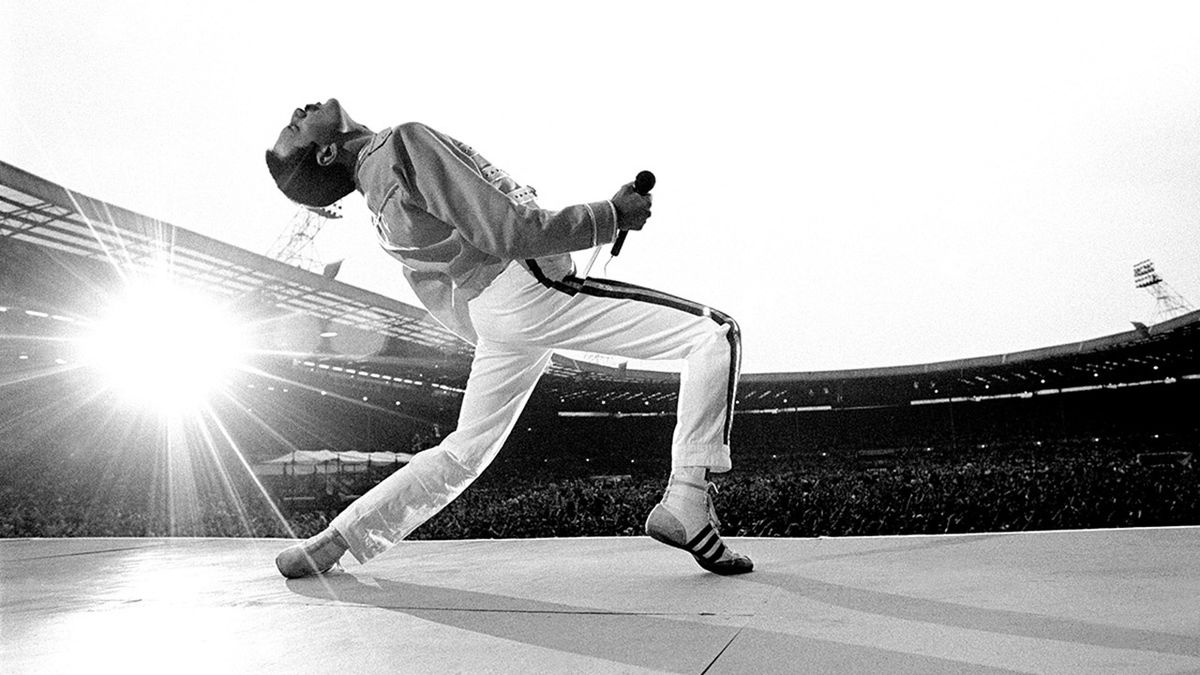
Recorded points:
(666, 525)
(316, 555)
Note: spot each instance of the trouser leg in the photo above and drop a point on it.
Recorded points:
(620, 319)
(501, 381)
(520, 318)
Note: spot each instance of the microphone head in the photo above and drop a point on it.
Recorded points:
(644, 182)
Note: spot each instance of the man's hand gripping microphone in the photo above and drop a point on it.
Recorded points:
(642, 185)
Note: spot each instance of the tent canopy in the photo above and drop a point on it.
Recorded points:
(328, 461)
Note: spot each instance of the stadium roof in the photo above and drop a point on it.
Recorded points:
(403, 343)
(1148, 354)
(39, 212)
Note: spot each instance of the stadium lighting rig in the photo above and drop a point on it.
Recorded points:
(1168, 303)
(164, 347)
(296, 245)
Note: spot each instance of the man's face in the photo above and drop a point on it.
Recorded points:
(319, 123)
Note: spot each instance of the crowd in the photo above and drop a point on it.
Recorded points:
(1027, 487)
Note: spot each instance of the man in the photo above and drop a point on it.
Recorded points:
(495, 268)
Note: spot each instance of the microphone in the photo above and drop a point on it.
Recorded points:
(642, 185)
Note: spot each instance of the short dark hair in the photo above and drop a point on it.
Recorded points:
(299, 176)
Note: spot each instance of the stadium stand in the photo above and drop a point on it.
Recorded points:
(1094, 433)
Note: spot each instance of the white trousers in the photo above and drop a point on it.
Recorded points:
(520, 318)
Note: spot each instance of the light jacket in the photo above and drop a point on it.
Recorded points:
(455, 221)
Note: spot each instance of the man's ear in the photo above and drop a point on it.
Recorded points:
(326, 154)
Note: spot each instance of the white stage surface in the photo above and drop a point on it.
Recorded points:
(1120, 601)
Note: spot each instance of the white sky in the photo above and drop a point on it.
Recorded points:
(858, 183)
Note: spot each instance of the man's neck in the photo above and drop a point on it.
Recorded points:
(353, 144)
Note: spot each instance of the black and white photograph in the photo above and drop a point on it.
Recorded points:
(602, 337)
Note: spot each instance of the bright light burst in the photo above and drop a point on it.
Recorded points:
(165, 347)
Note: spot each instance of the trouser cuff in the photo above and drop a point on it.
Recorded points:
(715, 456)
(360, 540)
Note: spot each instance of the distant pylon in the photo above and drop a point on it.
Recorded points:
(1168, 303)
(296, 245)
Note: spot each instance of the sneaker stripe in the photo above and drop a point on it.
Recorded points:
(716, 555)
(700, 536)
(713, 540)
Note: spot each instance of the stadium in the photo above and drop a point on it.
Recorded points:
(161, 384)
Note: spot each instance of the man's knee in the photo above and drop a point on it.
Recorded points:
(719, 335)
(730, 327)
(735, 331)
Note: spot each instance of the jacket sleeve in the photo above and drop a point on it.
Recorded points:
(444, 182)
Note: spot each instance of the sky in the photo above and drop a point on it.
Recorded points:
(859, 184)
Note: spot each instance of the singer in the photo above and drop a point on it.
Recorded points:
(495, 269)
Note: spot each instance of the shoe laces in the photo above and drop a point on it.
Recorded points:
(712, 508)
(709, 491)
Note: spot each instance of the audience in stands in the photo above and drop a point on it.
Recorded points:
(1027, 486)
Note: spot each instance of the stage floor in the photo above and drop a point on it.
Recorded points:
(1124, 601)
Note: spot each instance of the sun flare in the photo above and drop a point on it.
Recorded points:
(165, 347)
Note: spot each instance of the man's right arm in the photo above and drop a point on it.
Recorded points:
(443, 182)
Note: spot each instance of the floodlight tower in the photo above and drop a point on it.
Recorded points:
(296, 244)
(1169, 304)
